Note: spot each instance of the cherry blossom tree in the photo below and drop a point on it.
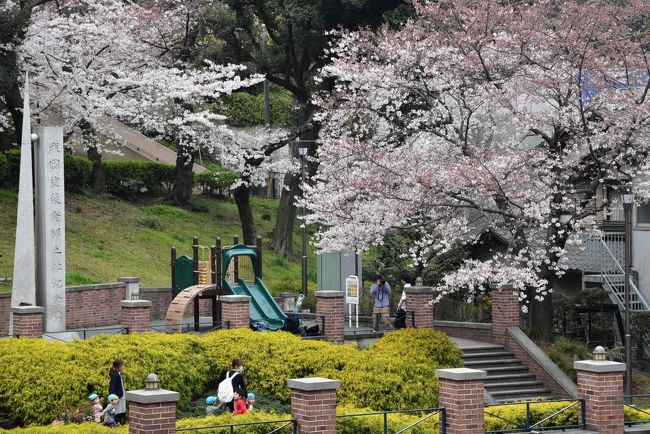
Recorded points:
(508, 115)
(96, 59)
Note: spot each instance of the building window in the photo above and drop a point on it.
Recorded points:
(643, 214)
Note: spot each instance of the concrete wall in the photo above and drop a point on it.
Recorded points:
(468, 330)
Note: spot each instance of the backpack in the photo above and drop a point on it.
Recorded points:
(225, 392)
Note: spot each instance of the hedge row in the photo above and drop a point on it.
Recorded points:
(497, 418)
(245, 109)
(128, 177)
(397, 372)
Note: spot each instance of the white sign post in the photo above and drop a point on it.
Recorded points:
(352, 297)
(50, 223)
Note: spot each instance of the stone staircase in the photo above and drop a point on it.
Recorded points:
(507, 379)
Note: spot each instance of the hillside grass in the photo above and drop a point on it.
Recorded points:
(107, 238)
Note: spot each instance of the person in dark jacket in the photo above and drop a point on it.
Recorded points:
(116, 387)
(238, 382)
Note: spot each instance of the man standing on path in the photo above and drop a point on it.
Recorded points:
(381, 292)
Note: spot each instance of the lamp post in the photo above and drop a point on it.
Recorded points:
(303, 149)
(628, 201)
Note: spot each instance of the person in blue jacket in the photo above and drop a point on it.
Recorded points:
(380, 311)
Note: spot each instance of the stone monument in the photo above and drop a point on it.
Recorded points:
(39, 263)
(23, 289)
(50, 227)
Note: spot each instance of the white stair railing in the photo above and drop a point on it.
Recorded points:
(613, 276)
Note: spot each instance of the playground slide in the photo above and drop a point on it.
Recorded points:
(263, 306)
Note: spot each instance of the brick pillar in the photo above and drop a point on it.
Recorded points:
(505, 311)
(235, 311)
(461, 395)
(136, 315)
(417, 298)
(313, 404)
(28, 321)
(600, 384)
(132, 287)
(330, 304)
(152, 411)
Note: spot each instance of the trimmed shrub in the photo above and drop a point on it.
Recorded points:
(245, 109)
(77, 170)
(127, 178)
(391, 374)
(215, 183)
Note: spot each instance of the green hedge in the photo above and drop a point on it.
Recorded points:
(391, 374)
(245, 109)
(494, 421)
(129, 177)
(77, 171)
(215, 182)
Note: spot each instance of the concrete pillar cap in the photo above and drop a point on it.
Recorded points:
(599, 366)
(234, 298)
(128, 279)
(135, 303)
(313, 384)
(152, 396)
(330, 294)
(23, 310)
(461, 374)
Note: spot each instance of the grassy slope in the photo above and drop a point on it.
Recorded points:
(107, 238)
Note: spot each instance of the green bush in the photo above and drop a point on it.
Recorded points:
(77, 170)
(398, 372)
(215, 183)
(128, 178)
(245, 109)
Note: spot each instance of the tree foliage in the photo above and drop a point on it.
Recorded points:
(496, 114)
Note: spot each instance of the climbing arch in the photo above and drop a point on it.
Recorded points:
(179, 304)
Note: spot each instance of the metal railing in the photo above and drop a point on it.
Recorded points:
(188, 327)
(630, 398)
(531, 425)
(86, 333)
(614, 279)
(366, 321)
(232, 427)
(430, 412)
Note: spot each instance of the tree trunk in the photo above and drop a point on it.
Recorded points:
(282, 242)
(242, 196)
(182, 191)
(99, 177)
(98, 183)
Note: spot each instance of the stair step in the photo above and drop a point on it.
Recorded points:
(509, 379)
(513, 385)
(488, 354)
(486, 362)
(507, 399)
(481, 348)
(516, 392)
(505, 369)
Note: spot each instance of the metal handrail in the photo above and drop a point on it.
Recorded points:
(621, 271)
(630, 398)
(189, 327)
(120, 330)
(432, 412)
(233, 426)
(530, 426)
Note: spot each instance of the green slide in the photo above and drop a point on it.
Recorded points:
(263, 306)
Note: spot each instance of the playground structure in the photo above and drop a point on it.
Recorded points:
(226, 270)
